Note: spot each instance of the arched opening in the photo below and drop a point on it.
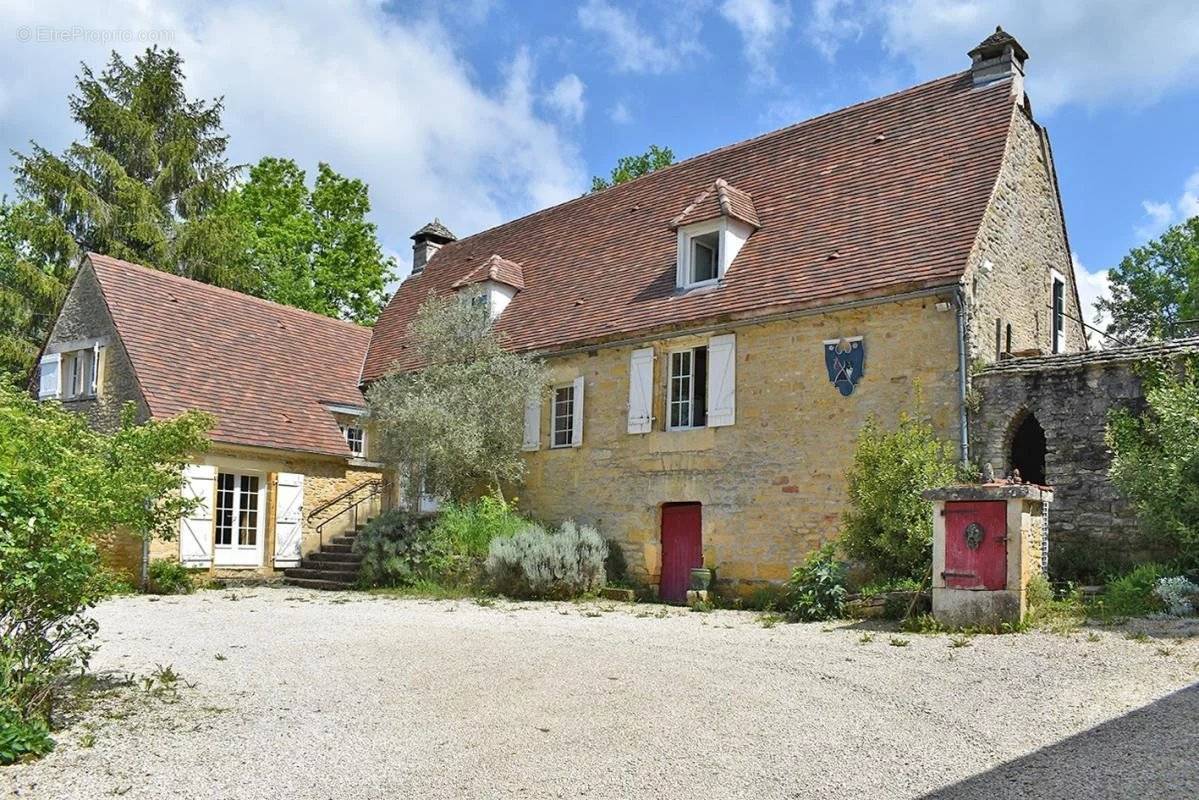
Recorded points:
(1027, 452)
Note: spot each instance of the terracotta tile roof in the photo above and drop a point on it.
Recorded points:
(496, 269)
(262, 369)
(896, 186)
(719, 200)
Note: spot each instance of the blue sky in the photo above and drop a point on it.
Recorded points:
(482, 110)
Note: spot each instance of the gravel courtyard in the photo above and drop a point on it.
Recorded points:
(295, 694)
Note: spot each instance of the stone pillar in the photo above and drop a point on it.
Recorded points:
(986, 548)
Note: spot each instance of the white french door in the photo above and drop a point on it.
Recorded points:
(240, 500)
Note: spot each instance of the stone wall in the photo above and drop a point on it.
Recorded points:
(772, 485)
(324, 480)
(1021, 239)
(1091, 527)
(85, 316)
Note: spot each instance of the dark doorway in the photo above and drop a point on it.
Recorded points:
(682, 549)
(1028, 450)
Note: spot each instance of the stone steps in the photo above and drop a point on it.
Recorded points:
(334, 567)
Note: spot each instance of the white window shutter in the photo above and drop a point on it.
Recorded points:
(50, 377)
(576, 438)
(641, 390)
(532, 422)
(289, 518)
(722, 380)
(95, 377)
(196, 527)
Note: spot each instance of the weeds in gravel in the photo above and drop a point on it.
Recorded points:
(1094, 637)
(221, 657)
(1062, 613)
(866, 638)
(702, 607)
(1137, 636)
(1165, 651)
(87, 740)
(899, 641)
(922, 623)
(959, 641)
(769, 619)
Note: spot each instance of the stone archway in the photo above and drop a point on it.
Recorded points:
(1026, 448)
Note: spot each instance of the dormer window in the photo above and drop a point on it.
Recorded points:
(705, 258)
(711, 232)
(495, 282)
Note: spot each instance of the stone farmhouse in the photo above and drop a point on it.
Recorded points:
(717, 332)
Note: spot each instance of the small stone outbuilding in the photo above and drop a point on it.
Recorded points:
(1046, 416)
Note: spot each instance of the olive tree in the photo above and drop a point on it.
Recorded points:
(456, 423)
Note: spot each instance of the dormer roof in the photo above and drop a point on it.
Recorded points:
(494, 268)
(720, 199)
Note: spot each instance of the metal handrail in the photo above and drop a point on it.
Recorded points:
(378, 489)
(342, 496)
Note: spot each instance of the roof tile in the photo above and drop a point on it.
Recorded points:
(263, 369)
(896, 187)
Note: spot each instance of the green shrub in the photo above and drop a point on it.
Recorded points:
(538, 564)
(1155, 461)
(400, 548)
(168, 576)
(616, 566)
(1132, 595)
(61, 485)
(22, 738)
(888, 526)
(816, 590)
(468, 528)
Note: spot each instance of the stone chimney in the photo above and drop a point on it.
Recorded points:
(997, 58)
(427, 241)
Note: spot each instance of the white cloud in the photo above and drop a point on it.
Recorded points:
(620, 114)
(380, 97)
(1090, 52)
(761, 24)
(1092, 287)
(566, 98)
(635, 49)
(831, 25)
(1160, 215)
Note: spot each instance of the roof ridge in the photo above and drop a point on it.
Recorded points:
(723, 148)
(213, 287)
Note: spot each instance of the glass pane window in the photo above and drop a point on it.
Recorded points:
(355, 439)
(705, 251)
(237, 509)
(247, 528)
(226, 503)
(1059, 314)
(688, 389)
(564, 416)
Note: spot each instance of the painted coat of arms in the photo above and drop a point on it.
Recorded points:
(846, 362)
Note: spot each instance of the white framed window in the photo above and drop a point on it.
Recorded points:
(687, 389)
(238, 524)
(79, 371)
(705, 259)
(355, 439)
(1058, 307)
(562, 429)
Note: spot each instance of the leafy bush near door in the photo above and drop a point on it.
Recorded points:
(469, 527)
(816, 590)
(540, 564)
(888, 525)
(168, 576)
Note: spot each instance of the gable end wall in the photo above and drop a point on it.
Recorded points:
(1023, 236)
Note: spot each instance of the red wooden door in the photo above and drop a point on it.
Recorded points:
(976, 544)
(682, 549)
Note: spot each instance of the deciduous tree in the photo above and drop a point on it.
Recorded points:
(458, 421)
(1155, 288)
(629, 167)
